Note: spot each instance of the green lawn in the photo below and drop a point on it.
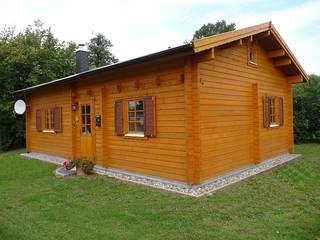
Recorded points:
(281, 204)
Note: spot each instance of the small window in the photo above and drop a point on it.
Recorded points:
(272, 110)
(85, 119)
(252, 55)
(48, 119)
(136, 116)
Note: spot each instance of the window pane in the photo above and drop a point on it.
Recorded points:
(132, 126)
(83, 129)
(139, 105)
(272, 110)
(83, 119)
(132, 105)
(140, 116)
(251, 55)
(131, 116)
(140, 127)
(88, 119)
(87, 109)
(82, 109)
(88, 129)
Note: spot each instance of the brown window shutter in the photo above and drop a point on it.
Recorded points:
(281, 111)
(39, 120)
(118, 117)
(149, 116)
(266, 112)
(57, 119)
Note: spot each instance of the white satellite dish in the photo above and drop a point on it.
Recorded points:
(20, 107)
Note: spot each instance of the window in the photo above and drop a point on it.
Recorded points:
(273, 111)
(136, 116)
(85, 119)
(252, 55)
(48, 119)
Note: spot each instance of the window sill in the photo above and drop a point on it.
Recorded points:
(48, 131)
(274, 126)
(134, 135)
(252, 64)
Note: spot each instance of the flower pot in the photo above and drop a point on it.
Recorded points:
(80, 172)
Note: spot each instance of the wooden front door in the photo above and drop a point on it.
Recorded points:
(86, 131)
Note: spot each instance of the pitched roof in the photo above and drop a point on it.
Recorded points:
(182, 50)
(271, 41)
(266, 33)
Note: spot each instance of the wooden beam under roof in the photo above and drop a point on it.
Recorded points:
(282, 62)
(275, 33)
(276, 53)
(295, 79)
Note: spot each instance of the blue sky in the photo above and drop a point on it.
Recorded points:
(141, 27)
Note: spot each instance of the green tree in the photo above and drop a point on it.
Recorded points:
(306, 104)
(213, 28)
(100, 55)
(29, 57)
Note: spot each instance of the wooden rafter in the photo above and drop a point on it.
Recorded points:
(282, 62)
(295, 79)
(276, 53)
(263, 35)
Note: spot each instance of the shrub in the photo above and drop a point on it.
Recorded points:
(84, 164)
(306, 105)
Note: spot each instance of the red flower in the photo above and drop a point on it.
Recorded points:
(67, 165)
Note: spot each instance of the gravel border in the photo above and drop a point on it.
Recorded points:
(206, 188)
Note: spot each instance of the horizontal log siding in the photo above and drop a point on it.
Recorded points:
(227, 110)
(57, 144)
(163, 156)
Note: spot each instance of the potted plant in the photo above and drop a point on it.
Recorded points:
(67, 165)
(82, 165)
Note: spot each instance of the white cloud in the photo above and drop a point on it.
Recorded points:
(140, 27)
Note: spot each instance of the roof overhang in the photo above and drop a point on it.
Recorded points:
(265, 33)
(269, 38)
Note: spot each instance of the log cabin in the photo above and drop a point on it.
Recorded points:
(188, 113)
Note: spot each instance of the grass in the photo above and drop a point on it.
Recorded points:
(281, 204)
